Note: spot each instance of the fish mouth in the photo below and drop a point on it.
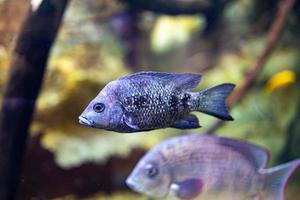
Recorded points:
(85, 121)
(136, 186)
(131, 183)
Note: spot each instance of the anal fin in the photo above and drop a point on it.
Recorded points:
(188, 122)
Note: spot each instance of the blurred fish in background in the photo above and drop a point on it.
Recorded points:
(209, 167)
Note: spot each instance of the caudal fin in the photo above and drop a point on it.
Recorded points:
(276, 180)
(212, 101)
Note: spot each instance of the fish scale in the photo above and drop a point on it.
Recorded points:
(159, 107)
(206, 154)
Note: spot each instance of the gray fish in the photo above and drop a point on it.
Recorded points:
(152, 100)
(209, 167)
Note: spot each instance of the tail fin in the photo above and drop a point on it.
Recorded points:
(276, 180)
(212, 101)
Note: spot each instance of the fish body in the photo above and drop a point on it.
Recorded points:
(152, 100)
(209, 167)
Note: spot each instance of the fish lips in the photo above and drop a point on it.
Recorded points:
(85, 121)
(133, 184)
(136, 186)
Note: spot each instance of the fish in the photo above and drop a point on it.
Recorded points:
(146, 101)
(201, 166)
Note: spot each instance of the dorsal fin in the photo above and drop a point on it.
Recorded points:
(184, 81)
(255, 154)
(258, 155)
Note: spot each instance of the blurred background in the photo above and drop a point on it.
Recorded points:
(101, 40)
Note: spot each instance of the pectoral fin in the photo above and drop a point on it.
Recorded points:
(188, 189)
(189, 122)
(129, 121)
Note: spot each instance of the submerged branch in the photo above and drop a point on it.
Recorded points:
(26, 74)
(273, 37)
(175, 7)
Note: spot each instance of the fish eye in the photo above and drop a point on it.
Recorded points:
(151, 170)
(98, 107)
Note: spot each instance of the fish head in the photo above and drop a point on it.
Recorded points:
(151, 176)
(103, 112)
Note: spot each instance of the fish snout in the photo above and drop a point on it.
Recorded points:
(85, 121)
(132, 183)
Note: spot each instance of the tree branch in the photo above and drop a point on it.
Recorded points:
(175, 7)
(26, 74)
(273, 37)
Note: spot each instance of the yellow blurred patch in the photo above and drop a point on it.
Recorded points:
(279, 80)
(170, 32)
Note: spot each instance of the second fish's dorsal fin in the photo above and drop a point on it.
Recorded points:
(255, 154)
(184, 81)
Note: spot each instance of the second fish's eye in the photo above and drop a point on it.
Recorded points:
(98, 107)
(152, 170)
